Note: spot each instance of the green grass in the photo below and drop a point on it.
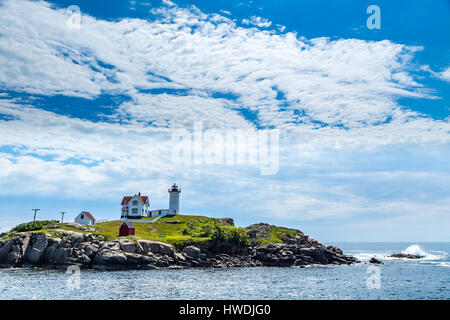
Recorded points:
(158, 231)
(274, 234)
(279, 234)
(33, 225)
(190, 230)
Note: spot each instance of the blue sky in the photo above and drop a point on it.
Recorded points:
(86, 114)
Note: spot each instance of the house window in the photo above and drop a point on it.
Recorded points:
(174, 211)
(135, 203)
(82, 217)
(134, 211)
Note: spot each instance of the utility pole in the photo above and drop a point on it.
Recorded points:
(35, 210)
(62, 216)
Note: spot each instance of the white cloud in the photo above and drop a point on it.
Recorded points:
(445, 75)
(284, 80)
(316, 89)
(324, 95)
(257, 21)
(168, 3)
(172, 110)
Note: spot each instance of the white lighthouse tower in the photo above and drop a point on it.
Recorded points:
(174, 199)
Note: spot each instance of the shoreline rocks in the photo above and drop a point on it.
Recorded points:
(89, 251)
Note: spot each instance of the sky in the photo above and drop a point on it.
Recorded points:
(90, 101)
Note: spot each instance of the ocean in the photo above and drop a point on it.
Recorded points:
(427, 278)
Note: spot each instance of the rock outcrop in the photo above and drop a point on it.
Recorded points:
(375, 261)
(92, 251)
(405, 255)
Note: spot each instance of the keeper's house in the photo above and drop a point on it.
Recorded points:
(135, 207)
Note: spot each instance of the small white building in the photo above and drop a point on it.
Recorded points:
(158, 212)
(135, 207)
(85, 218)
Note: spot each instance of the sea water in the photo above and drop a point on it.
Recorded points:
(427, 278)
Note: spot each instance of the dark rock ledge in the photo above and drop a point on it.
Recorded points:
(89, 251)
(405, 255)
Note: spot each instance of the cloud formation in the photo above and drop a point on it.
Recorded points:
(182, 65)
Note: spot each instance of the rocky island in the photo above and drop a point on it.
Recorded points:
(175, 242)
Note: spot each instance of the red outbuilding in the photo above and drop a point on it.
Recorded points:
(127, 229)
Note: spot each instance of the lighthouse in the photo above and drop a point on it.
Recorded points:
(174, 199)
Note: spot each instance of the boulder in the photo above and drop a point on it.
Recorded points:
(156, 247)
(50, 251)
(271, 247)
(180, 257)
(334, 249)
(127, 246)
(305, 251)
(287, 253)
(82, 260)
(375, 261)
(62, 255)
(6, 248)
(105, 257)
(300, 262)
(191, 251)
(174, 221)
(91, 249)
(14, 257)
(133, 258)
(35, 249)
(317, 254)
(339, 260)
(260, 255)
(111, 245)
(145, 259)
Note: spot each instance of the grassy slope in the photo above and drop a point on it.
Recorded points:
(273, 234)
(278, 234)
(152, 231)
(172, 233)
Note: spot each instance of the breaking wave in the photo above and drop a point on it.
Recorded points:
(414, 249)
(418, 251)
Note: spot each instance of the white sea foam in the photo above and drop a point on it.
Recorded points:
(439, 263)
(367, 256)
(414, 249)
(418, 251)
(444, 264)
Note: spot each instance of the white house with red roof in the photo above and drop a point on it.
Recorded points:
(135, 207)
(85, 218)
